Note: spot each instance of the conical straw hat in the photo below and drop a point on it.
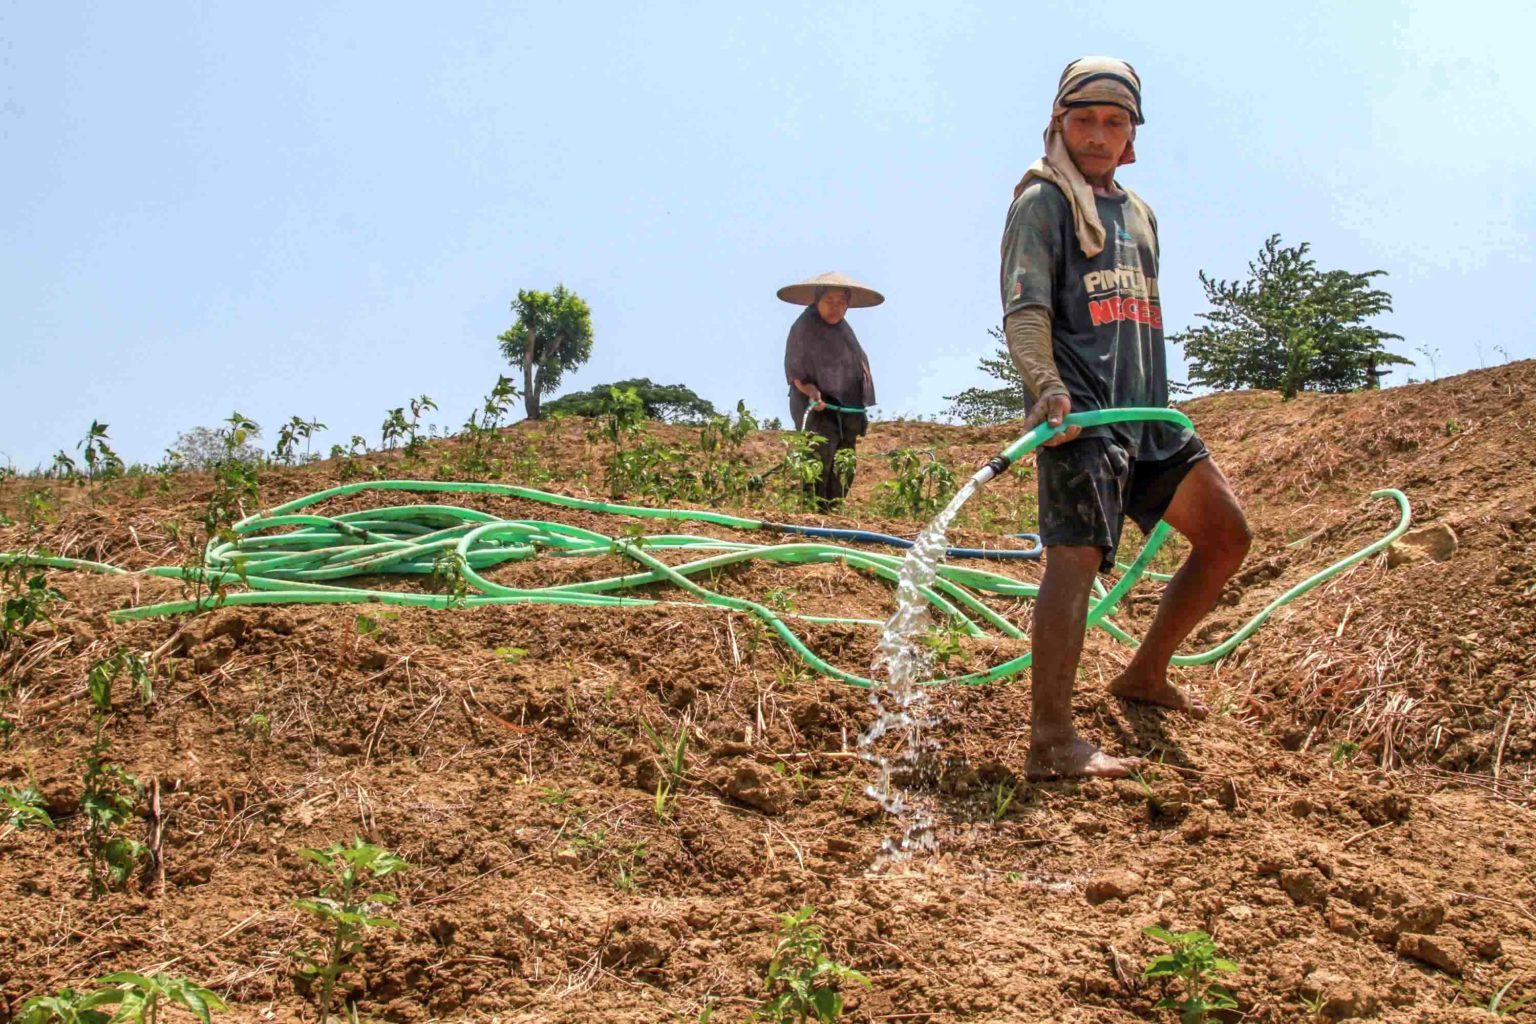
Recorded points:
(804, 293)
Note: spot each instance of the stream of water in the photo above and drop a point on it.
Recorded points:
(899, 743)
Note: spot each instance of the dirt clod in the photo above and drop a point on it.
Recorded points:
(759, 786)
(1339, 997)
(1422, 916)
(1439, 951)
(1113, 885)
(1434, 543)
(1308, 886)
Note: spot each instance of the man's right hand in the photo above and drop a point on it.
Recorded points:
(1052, 409)
(816, 400)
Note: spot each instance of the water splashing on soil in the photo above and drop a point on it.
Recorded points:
(900, 742)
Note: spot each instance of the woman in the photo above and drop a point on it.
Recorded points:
(825, 366)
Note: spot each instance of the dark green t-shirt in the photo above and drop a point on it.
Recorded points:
(1106, 318)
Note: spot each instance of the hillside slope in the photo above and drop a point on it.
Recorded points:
(1368, 775)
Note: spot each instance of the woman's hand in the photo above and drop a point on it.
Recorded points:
(812, 392)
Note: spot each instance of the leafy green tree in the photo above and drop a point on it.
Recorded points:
(674, 403)
(979, 406)
(553, 334)
(1290, 327)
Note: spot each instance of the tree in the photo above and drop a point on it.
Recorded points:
(981, 406)
(204, 447)
(553, 334)
(674, 403)
(978, 406)
(1290, 327)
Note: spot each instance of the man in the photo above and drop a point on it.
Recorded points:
(1085, 328)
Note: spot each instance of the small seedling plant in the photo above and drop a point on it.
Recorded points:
(39, 506)
(945, 642)
(397, 427)
(921, 485)
(1497, 1002)
(629, 872)
(803, 983)
(725, 474)
(101, 462)
(236, 480)
(845, 461)
(511, 655)
(1502, 1007)
(63, 467)
(1002, 799)
(28, 598)
(107, 800)
(288, 437)
(21, 809)
(66, 1007)
(803, 466)
(781, 599)
(448, 577)
(1193, 963)
(344, 908)
(621, 414)
(480, 430)
(419, 405)
(394, 428)
(1344, 752)
(672, 758)
(104, 673)
(137, 997)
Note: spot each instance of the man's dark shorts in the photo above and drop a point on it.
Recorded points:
(1089, 486)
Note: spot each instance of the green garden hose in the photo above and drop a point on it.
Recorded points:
(305, 561)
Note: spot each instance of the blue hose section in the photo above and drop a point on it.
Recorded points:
(869, 537)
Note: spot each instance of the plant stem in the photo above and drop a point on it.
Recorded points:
(332, 969)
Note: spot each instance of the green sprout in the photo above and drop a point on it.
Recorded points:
(672, 757)
(803, 983)
(138, 998)
(28, 599)
(1192, 963)
(23, 809)
(448, 577)
(105, 671)
(107, 800)
(1002, 799)
(344, 908)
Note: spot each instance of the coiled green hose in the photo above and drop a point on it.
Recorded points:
(305, 562)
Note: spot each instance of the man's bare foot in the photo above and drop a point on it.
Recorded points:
(1074, 758)
(1157, 691)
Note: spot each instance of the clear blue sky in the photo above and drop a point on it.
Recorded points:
(324, 209)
